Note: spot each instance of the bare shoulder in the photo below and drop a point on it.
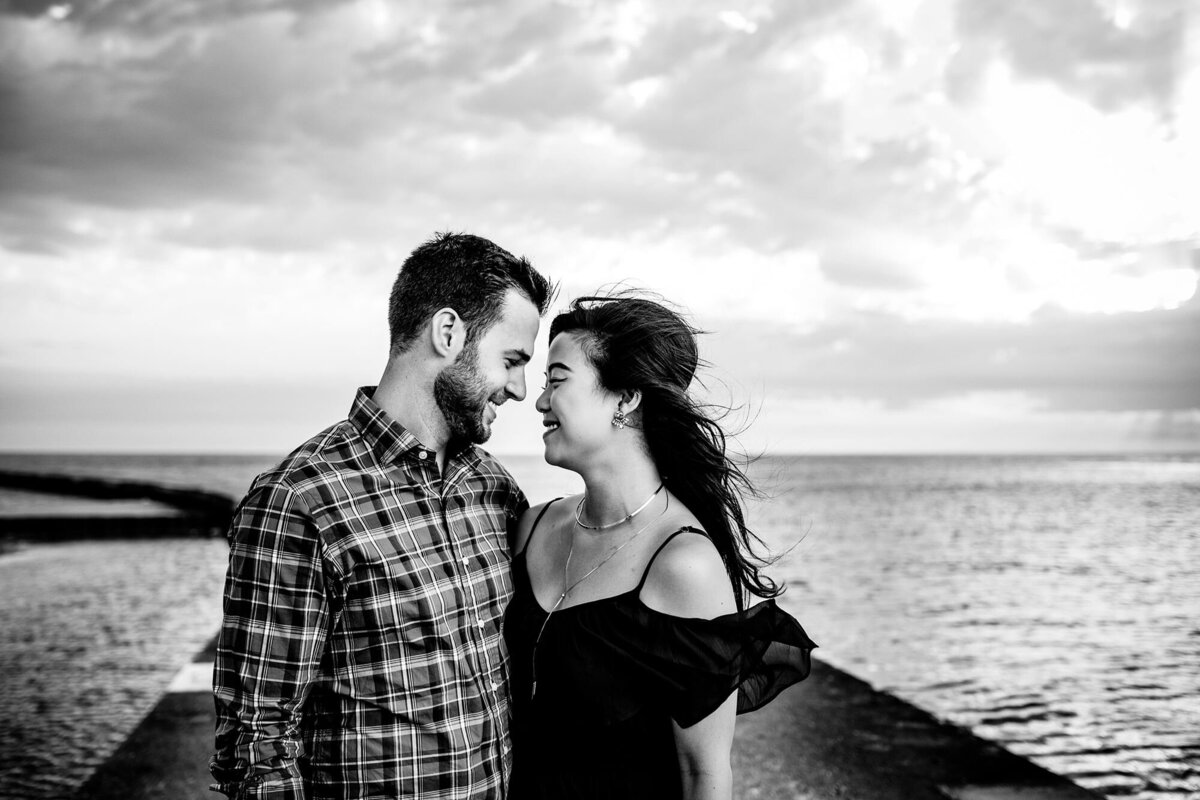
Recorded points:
(531, 516)
(688, 579)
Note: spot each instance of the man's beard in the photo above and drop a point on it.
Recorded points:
(462, 396)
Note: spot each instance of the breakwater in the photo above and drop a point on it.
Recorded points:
(179, 511)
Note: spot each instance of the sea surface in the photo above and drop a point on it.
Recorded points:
(1049, 603)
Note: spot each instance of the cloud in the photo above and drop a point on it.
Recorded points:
(1113, 54)
(1069, 362)
(915, 201)
(780, 133)
(154, 17)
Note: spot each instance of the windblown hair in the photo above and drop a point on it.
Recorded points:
(640, 344)
(467, 273)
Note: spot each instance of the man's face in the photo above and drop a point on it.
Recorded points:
(488, 372)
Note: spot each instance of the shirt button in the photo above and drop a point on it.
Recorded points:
(480, 624)
(466, 561)
(421, 454)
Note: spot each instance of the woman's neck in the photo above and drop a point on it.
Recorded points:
(614, 491)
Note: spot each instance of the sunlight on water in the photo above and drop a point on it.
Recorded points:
(92, 634)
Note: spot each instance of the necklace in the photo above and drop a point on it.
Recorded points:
(567, 590)
(626, 518)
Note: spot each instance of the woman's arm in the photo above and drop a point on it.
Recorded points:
(704, 752)
(689, 580)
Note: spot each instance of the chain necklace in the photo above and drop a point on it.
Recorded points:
(626, 518)
(588, 574)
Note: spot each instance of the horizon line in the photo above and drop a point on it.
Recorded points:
(1166, 451)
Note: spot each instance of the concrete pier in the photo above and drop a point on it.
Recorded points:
(831, 737)
(166, 756)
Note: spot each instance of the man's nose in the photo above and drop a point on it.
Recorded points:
(516, 387)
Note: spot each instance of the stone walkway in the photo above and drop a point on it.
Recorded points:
(832, 737)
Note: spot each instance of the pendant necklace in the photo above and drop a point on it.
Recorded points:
(588, 574)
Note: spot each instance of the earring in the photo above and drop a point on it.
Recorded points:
(619, 419)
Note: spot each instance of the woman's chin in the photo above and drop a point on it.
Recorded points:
(554, 455)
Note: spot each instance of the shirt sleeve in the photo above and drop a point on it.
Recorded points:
(277, 613)
(516, 504)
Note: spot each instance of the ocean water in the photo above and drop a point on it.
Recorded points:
(1049, 603)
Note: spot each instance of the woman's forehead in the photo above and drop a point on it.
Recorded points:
(565, 348)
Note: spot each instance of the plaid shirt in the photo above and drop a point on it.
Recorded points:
(361, 653)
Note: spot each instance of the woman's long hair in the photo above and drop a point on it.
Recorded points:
(639, 344)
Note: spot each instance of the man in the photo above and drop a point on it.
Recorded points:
(360, 653)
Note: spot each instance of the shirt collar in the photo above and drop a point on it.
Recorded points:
(385, 436)
(390, 440)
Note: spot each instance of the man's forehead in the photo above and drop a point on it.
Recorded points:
(518, 323)
(517, 303)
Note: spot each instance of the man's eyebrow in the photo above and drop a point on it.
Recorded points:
(520, 355)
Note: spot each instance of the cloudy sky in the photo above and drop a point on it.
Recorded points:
(910, 225)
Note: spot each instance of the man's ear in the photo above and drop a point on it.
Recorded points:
(447, 333)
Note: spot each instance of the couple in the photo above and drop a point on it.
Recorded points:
(392, 601)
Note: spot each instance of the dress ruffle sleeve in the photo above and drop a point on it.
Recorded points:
(692, 665)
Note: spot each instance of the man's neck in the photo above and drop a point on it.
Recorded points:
(405, 393)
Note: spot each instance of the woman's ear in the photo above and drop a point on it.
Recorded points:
(630, 400)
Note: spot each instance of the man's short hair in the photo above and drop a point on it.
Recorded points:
(466, 273)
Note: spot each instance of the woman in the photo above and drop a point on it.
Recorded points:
(630, 647)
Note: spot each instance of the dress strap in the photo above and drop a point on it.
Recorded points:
(661, 547)
(541, 514)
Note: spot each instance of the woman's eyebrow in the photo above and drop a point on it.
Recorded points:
(557, 365)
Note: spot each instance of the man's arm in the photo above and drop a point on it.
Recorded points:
(277, 615)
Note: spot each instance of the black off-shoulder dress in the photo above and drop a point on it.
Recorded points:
(613, 673)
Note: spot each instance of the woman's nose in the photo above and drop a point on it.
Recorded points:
(542, 404)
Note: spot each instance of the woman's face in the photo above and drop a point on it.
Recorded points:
(575, 409)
